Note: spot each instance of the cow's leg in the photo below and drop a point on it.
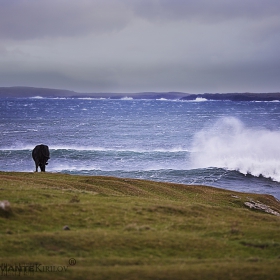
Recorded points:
(36, 164)
(42, 167)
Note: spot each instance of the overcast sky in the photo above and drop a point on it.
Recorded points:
(193, 46)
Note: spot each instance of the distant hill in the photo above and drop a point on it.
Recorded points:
(32, 91)
(22, 92)
(235, 96)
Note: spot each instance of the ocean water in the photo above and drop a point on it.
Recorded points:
(231, 145)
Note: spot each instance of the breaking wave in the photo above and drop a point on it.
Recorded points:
(30, 147)
(231, 145)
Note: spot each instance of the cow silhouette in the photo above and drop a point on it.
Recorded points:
(41, 155)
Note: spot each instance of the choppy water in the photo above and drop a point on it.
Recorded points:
(233, 145)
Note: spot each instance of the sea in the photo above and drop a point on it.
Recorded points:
(225, 144)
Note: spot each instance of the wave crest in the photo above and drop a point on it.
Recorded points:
(231, 145)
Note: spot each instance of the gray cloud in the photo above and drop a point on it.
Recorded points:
(141, 45)
(29, 19)
(205, 10)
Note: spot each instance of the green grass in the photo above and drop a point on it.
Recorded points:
(135, 229)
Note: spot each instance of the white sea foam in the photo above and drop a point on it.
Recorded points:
(230, 144)
(20, 147)
(112, 166)
(17, 147)
(45, 97)
(88, 98)
(37, 97)
(200, 99)
(60, 167)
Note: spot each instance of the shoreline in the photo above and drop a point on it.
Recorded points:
(29, 92)
(127, 179)
(149, 180)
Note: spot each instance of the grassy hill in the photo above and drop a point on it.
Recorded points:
(132, 229)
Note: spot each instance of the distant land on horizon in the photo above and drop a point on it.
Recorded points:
(23, 92)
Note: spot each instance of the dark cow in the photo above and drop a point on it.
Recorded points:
(41, 154)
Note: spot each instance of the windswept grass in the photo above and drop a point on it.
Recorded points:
(134, 229)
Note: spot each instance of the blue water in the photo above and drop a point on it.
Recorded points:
(232, 145)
